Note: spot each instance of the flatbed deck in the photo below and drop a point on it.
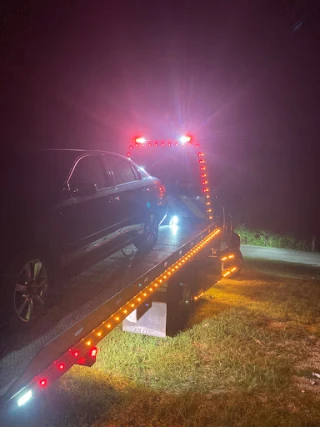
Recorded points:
(86, 294)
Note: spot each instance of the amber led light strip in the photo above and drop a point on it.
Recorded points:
(228, 272)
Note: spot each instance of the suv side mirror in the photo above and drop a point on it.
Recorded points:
(83, 189)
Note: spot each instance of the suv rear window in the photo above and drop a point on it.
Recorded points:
(121, 169)
(89, 170)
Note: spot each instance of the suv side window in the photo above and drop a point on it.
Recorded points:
(121, 168)
(136, 171)
(88, 171)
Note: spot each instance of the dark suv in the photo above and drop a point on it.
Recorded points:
(60, 205)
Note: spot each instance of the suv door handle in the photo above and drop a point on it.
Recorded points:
(114, 199)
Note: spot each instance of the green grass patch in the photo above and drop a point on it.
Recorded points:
(246, 358)
(270, 239)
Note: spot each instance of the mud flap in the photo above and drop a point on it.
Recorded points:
(168, 311)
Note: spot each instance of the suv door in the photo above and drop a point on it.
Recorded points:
(130, 187)
(89, 219)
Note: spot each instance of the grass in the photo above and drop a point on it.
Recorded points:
(272, 240)
(246, 358)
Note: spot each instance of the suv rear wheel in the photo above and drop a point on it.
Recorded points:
(149, 236)
(27, 286)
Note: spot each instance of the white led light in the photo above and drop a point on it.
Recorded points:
(24, 398)
(185, 139)
(141, 140)
(174, 220)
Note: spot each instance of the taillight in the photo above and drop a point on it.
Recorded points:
(93, 352)
(162, 190)
(82, 361)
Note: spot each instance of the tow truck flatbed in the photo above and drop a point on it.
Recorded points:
(86, 301)
(144, 293)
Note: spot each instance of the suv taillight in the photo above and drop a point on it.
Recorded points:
(161, 191)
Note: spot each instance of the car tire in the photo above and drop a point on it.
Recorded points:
(149, 235)
(27, 283)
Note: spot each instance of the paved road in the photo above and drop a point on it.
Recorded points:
(287, 255)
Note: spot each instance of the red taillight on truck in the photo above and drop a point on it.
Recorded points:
(93, 352)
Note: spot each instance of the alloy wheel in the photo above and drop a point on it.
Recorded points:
(30, 290)
(151, 231)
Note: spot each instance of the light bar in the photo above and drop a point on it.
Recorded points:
(184, 139)
(228, 272)
(141, 140)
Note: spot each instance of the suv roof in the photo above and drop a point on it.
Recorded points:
(81, 151)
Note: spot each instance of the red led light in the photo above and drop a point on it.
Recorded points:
(128, 154)
(136, 144)
(93, 352)
(197, 145)
(169, 144)
(176, 143)
(205, 190)
(204, 182)
(81, 361)
(156, 143)
(190, 143)
(200, 154)
(162, 143)
(130, 148)
(43, 383)
(76, 353)
(149, 144)
(61, 366)
(201, 161)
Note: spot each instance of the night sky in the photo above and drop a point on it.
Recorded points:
(243, 77)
